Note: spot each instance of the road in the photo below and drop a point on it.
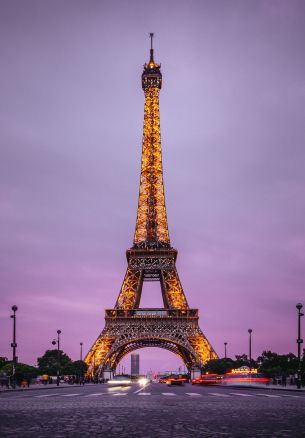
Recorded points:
(155, 411)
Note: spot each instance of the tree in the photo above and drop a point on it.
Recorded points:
(77, 368)
(218, 366)
(3, 361)
(23, 371)
(272, 364)
(242, 360)
(48, 363)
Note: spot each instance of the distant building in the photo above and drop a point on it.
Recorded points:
(135, 364)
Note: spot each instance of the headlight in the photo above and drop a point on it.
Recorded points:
(119, 382)
(143, 381)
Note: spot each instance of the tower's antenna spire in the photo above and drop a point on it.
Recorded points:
(151, 48)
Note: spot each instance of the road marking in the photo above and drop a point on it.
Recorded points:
(46, 395)
(119, 393)
(95, 394)
(193, 394)
(168, 393)
(144, 393)
(270, 395)
(242, 395)
(141, 389)
(219, 394)
(70, 395)
(289, 395)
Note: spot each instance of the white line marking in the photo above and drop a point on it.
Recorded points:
(193, 394)
(270, 395)
(168, 393)
(95, 394)
(219, 394)
(289, 395)
(118, 394)
(141, 389)
(70, 395)
(144, 393)
(46, 395)
(242, 395)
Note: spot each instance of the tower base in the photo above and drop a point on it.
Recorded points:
(128, 330)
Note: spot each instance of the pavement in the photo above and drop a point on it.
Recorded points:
(154, 411)
(37, 387)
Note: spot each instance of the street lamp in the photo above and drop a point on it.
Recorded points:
(299, 306)
(250, 347)
(14, 346)
(81, 350)
(225, 344)
(54, 342)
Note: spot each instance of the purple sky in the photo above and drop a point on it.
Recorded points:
(233, 131)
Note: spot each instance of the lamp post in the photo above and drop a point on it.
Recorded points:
(250, 347)
(299, 306)
(225, 344)
(14, 346)
(54, 342)
(81, 350)
(81, 373)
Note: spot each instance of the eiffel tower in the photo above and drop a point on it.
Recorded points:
(151, 258)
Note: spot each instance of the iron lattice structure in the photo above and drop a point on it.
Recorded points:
(151, 258)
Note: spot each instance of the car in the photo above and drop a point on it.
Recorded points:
(207, 379)
(175, 381)
(162, 380)
(119, 381)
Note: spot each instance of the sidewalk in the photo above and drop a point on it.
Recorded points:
(265, 387)
(35, 387)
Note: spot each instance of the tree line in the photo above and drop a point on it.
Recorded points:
(46, 364)
(270, 364)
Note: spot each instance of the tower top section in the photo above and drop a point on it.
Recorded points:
(151, 76)
(151, 227)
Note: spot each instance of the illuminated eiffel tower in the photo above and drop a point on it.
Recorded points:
(151, 258)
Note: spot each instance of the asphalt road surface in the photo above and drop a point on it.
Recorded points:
(155, 411)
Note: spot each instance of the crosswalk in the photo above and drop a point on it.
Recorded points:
(46, 395)
(170, 394)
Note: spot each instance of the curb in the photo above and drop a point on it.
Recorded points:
(39, 388)
(270, 388)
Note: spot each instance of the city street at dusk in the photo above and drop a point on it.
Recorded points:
(156, 410)
(152, 174)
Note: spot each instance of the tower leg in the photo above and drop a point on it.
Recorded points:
(172, 291)
(130, 294)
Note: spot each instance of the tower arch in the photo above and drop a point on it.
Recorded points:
(115, 357)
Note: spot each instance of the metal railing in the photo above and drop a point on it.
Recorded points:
(151, 313)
